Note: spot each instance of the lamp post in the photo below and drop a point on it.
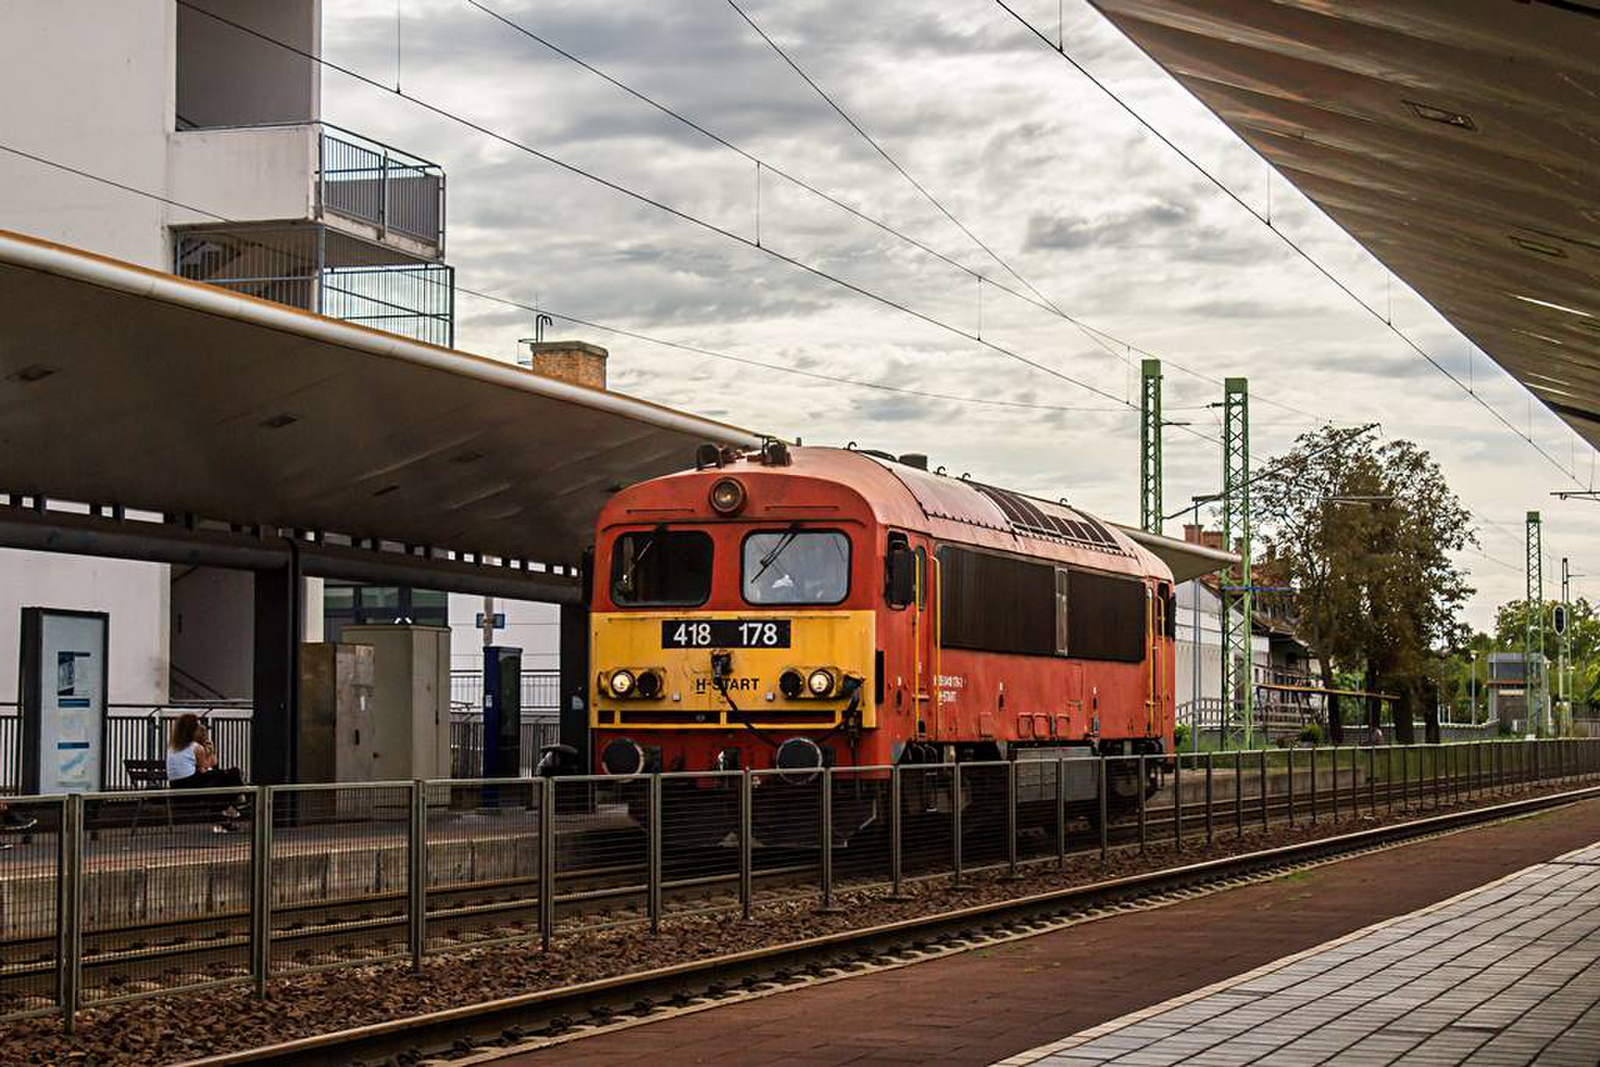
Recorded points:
(1472, 686)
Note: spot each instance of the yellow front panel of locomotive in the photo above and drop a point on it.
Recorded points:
(842, 641)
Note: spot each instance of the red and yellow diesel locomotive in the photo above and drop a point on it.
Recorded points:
(802, 607)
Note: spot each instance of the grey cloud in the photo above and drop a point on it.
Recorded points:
(1121, 228)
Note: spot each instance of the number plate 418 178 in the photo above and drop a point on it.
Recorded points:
(725, 633)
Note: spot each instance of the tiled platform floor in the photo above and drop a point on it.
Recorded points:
(1505, 974)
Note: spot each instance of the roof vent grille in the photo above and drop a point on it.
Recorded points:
(1028, 519)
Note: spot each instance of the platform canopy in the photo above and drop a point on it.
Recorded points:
(1458, 140)
(125, 387)
(1185, 559)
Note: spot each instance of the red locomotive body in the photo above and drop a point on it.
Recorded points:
(810, 606)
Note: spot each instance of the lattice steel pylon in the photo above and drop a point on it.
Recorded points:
(1150, 446)
(1564, 668)
(1533, 640)
(1238, 683)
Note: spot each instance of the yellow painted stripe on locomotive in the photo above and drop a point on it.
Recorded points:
(842, 640)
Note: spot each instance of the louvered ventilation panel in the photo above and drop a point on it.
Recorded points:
(1028, 519)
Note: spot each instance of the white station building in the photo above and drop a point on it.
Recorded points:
(247, 189)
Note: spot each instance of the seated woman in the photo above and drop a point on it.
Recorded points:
(192, 764)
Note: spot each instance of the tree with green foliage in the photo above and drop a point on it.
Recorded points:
(1510, 630)
(1365, 533)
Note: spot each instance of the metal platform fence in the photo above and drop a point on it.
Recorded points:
(141, 732)
(112, 897)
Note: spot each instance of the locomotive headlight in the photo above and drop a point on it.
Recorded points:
(791, 683)
(621, 683)
(820, 683)
(648, 685)
(727, 496)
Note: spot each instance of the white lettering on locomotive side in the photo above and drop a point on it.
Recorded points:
(702, 685)
(948, 686)
(756, 634)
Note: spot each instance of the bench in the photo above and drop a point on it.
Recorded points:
(150, 776)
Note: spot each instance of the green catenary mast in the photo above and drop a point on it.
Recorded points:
(1533, 640)
(1150, 447)
(1238, 688)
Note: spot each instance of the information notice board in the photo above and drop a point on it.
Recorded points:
(63, 697)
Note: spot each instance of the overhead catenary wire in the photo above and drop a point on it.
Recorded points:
(1290, 242)
(1117, 347)
(662, 206)
(589, 323)
(1005, 265)
(1266, 472)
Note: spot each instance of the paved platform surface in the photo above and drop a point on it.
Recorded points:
(987, 1005)
(1505, 974)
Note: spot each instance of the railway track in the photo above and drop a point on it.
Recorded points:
(119, 961)
(555, 1015)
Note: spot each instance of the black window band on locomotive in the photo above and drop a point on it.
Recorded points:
(661, 568)
(795, 566)
(995, 603)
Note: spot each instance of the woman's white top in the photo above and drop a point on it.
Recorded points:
(181, 762)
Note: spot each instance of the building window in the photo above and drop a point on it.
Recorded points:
(346, 604)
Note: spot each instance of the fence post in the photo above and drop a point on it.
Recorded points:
(826, 833)
(1140, 786)
(1372, 780)
(1289, 762)
(383, 195)
(261, 891)
(1211, 832)
(1262, 789)
(1238, 792)
(1061, 811)
(547, 861)
(653, 855)
(1177, 801)
(1314, 812)
(69, 919)
(1011, 818)
(1355, 781)
(896, 859)
(1103, 788)
(746, 845)
(417, 873)
(955, 820)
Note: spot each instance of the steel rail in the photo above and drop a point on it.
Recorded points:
(537, 1009)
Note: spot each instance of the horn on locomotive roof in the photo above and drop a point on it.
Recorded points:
(918, 460)
(707, 455)
(774, 453)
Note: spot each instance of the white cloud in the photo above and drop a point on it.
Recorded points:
(1105, 221)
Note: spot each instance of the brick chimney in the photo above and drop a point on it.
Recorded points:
(577, 362)
(1197, 535)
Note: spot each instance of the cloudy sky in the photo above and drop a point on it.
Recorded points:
(1069, 193)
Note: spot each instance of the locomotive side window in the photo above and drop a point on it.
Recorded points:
(796, 567)
(996, 603)
(899, 572)
(1062, 616)
(1106, 617)
(661, 567)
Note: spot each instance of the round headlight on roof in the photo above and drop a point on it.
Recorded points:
(621, 683)
(820, 682)
(727, 496)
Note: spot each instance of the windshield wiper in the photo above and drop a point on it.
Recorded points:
(632, 569)
(777, 550)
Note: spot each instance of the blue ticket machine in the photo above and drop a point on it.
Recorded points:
(502, 712)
